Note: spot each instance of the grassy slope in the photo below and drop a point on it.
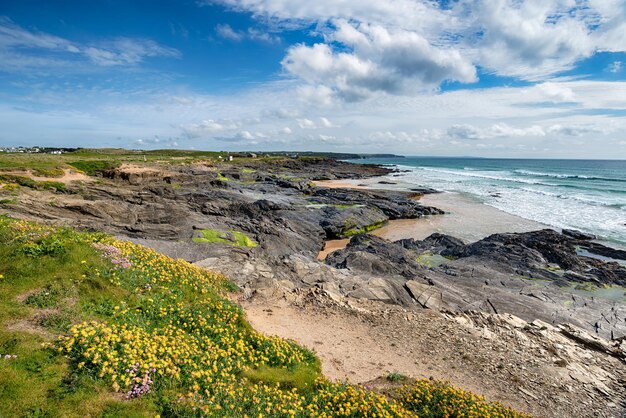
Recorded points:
(94, 323)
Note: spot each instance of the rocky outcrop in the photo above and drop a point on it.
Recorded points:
(545, 254)
(342, 222)
(370, 254)
(395, 205)
(533, 275)
(435, 243)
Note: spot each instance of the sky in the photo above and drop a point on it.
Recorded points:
(489, 78)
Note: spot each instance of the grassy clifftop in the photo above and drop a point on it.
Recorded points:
(93, 326)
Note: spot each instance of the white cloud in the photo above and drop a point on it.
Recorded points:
(21, 48)
(208, 127)
(403, 47)
(286, 131)
(310, 124)
(306, 124)
(503, 130)
(615, 67)
(508, 121)
(245, 135)
(326, 123)
(395, 62)
(227, 32)
(556, 92)
(125, 51)
(530, 39)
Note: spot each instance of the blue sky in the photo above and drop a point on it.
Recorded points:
(469, 77)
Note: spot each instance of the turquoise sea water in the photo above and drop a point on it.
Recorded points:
(589, 195)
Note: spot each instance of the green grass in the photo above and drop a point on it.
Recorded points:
(396, 377)
(236, 238)
(431, 260)
(91, 168)
(43, 293)
(222, 177)
(32, 184)
(301, 377)
(350, 231)
(93, 161)
(48, 172)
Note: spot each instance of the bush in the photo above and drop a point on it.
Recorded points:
(48, 245)
(92, 168)
(396, 377)
(434, 399)
(49, 172)
(52, 185)
(21, 180)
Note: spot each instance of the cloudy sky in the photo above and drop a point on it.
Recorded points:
(503, 78)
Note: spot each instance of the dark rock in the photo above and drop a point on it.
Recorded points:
(424, 190)
(373, 255)
(604, 251)
(578, 235)
(435, 244)
(532, 252)
(345, 222)
(395, 205)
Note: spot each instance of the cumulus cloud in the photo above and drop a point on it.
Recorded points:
(556, 92)
(310, 124)
(401, 47)
(530, 39)
(306, 124)
(380, 60)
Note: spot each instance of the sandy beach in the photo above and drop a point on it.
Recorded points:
(465, 218)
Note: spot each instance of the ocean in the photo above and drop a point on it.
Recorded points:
(588, 195)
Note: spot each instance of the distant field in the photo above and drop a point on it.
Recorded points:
(90, 159)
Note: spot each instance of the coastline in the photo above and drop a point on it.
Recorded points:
(481, 315)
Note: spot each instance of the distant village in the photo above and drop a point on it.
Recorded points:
(36, 150)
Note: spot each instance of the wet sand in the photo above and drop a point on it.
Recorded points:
(343, 184)
(465, 218)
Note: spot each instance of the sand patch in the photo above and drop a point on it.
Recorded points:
(332, 245)
(136, 169)
(370, 340)
(68, 176)
(341, 184)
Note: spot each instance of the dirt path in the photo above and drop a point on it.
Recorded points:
(361, 346)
